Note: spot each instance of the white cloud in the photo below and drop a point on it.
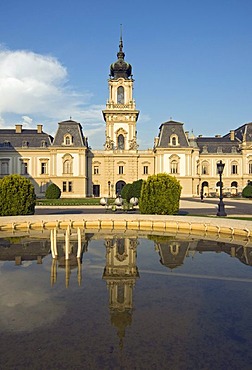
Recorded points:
(35, 87)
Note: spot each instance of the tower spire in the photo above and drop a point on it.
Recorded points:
(121, 40)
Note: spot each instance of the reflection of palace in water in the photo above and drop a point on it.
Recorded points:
(68, 246)
(173, 252)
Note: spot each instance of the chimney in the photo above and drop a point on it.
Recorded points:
(39, 129)
(218, 136)
(18, 129)
(232, 135)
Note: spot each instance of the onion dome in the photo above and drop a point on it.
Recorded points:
(120, 68)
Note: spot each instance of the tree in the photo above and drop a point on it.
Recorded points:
(53, 192)
(135, 189)
(125, 192)
(160, 194)
(17, 196)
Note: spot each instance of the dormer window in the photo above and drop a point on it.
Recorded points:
(204, 149)
(43, 143)
(174, 140)
(68, 140)
(24, 144)
(6, 143)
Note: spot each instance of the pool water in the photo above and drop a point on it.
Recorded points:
(128, 302)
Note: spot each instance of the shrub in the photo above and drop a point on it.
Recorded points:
(160, 194)
(125, 192)
(247, 191)
(135, 189)
(17, 196)
(53, 192)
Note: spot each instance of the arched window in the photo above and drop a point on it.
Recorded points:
(250, 167)
(68, 140)
(120, 142)
(174, 166)
(67, 167)
(120, 95)
(174, 140)
(67, 164)
(205, 168)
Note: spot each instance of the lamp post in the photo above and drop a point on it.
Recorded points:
(221, 206)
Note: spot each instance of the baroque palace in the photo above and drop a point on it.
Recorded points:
(67, 160)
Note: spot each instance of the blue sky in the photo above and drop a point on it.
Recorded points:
(191, 61)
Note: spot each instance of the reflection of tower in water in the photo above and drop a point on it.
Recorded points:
(67, 250)
(120, 274)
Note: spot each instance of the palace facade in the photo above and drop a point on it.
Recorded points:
(79, 171)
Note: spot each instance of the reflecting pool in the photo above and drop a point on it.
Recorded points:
(72, 299)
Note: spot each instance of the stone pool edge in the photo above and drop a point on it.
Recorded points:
(138, 222)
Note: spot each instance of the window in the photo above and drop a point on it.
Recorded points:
(174, 140)
(145, 170)
(234, 169)
(96, 170)
(120, 95)
(120, 142)
(67, 167)
(204, 168)
(68, 140)
(24, 168)
(67, 186)
(24, 144)
(174, 166)
(43, 143)
(120, 170)
(5, 167)
(43, 168)
(250, 167)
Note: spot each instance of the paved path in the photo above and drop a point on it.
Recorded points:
(188, 206)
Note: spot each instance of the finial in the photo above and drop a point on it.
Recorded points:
(121, 41)
(70, 118)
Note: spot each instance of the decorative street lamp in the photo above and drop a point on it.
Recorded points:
(221, 206)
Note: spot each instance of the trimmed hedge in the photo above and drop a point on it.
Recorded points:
(247, 191)
(17, 196)
(160, 195)
(53, 192)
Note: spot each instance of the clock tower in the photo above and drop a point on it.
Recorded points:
(120, 114)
